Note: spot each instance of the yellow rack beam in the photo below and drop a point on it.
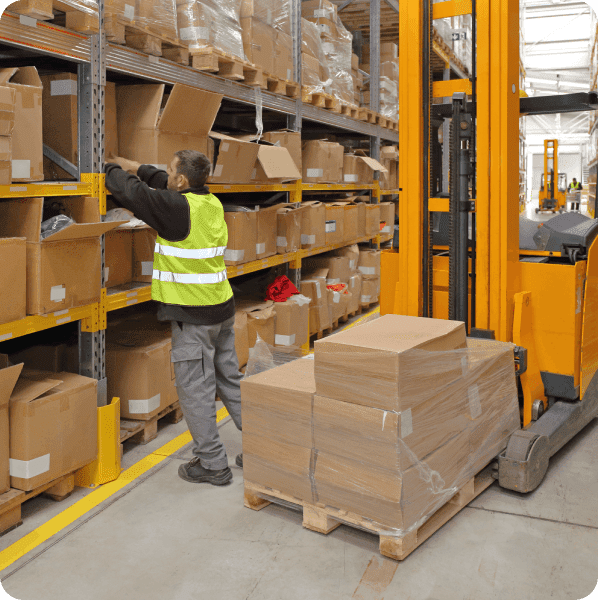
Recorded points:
(126, 298)
(51, 188)
(452, 8)
(389, 192)
(341, 187)
(216, 188)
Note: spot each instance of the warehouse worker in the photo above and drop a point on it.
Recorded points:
(575, 186)
(191, 285)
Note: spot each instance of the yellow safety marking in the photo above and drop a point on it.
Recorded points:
(362, 319)
(80, 508)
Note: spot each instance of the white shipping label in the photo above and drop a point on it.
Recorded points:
(324, 29)
(350, 178)
(106, 273)
(368, 270)
(328, 48)
(140, 407)
(313, 173)
(194, 33)
(29, 21)
(58, 293)
(218, 170)
(234, 255)
(318, 290)
(386, 229)
(308, 239)
(281, 242)
(289, 74)
(330, 226)
(475, 405)
(260, 248)
(147, 268)
(352, 266)
(336, 297)
(64, 87)
(366, 299)
(224, 146)
(129, 11)
(28, 469)
(21, 169)
(284, 340)
(406, 423)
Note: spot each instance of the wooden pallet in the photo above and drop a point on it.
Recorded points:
(350, 110)
(367, 115)
(213, 60)
(350, 315)
(324, 519)
(321, 100)
(143, 432)
(10, 503)
(283, 87)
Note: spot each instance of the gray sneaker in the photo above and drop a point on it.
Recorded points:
(195, 473)
(239, 460)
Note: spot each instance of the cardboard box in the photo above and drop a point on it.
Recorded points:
(234, 159)
(241, 338)
(370, 291)
(44, 357)
(350, 216)
(322, 161)
(283, 59)
(348, 362)
(290, 219)
(13, 277)
(388, 51)
(339, 270)
(313, 232)
(5, 160)
(53, 427)
(27, 136)
(144, 244)
(319, 318)
(267, 223)
(8, 380)
(350, 252)
(390, 70)
(335, 223)
(291, 140)
(274, 165)
(7, 110)
(151, 135)
(261, 320)
(369, 263)
(242, 237)
(371, 219)
(355, 282)
(359, 168)
(338, 303)
(277, 404)
(292, 322)
(313, 286)
(138, 368)
(387, 218)
(319, 8)
(259, 43)
(310, 39)
(118, 246)
(310, 73)
(63, 270)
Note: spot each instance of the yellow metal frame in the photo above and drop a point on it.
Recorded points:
(46, 189)
(560, 197)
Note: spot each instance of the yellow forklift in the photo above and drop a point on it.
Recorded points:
(553, 194)
(460, 256)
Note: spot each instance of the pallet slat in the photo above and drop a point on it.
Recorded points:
(143, 432)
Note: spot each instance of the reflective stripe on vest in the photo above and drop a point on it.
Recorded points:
(190, 278)
(201, 254)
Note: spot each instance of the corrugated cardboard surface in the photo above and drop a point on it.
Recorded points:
(118, 257)
(335, 223)
(144, 243)
(275, 164)
(234, 159)
(290, 140)
(242, 237)
(266, 231)
(322, 162)
(313, 232)
(369, 263)
(45, 357)
(13, 277)
(258, 42)
(355, 282)
(8, 380)
(387, 217)
(261, 319)
(370, 291)
(338, 303)
(7, 110)
(292, 323)
(53, 418)
(363, 364)
(283, 60)
(339, 270)
(241, 338)
(372, 219)
(289, 226)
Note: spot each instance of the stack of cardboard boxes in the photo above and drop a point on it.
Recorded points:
(389, 178)
(388, 421)
(369, 267)
(389, 80)
(314, 72)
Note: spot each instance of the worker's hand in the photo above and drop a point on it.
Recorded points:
(130, 166)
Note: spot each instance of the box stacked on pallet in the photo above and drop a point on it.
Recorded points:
(322, 161)
(314, 71)
(369, 267)
(388, 422)
(313, 286)
(79, 15)
(389, 157)
(360, 168)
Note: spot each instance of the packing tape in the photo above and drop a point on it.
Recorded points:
(260, 248)
(350, 178)
(308, 239)
(63, 87)
(234, 255)
(106, 273)
(352, 264)
(57, 293)
(224, 147)
(21, 169)
(368, 270)
(284, 340)
(330, 226)
(315, 173)
(406, 423)
(336, 297)
(139, 407)
(281, 242)
(29, 21)
(129, 12)
(218, 170)
(28, 469)
(366, 299)
(475, 405)
(333, 281)
(386, 229)
(147, 268)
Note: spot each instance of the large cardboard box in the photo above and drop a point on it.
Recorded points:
(335, 223)
(338, 302)
(339, 267)
(368, 221)
(292, 322)
(138, 368)
(358, 168)
(234, 159)
(350, 252)
(242, 237)
(241, 338)
(27, 136)
(53, 427)
(291, 140)
(322, 162)
(313, 232)
(369, 263)
(8, 380)
(388, 51)
(274, 165)
(13, 277)
(259, 43)
(283, 60)
(261, 320)
(387, 218)
(152, 126)
(144, 244)
(370, 291)
(63, 270)
(44, 357)
(5, 160)
(310, 39)
(310, 73)
(374, 365)
(350, 227)
(7, 123)
(290, 220)
(267, 223)
(277, 404)
(118, 251)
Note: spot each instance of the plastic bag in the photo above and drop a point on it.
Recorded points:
(54, 225)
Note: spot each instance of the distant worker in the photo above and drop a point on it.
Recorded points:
(190, 283)
(575, 187)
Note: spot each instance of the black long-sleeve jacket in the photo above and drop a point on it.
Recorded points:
(168, 212)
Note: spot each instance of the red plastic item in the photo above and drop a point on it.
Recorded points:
(281, 289)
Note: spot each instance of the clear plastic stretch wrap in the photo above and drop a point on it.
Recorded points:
(312, 58)
(391, 458)
(85, 6)
(274, 13)
(158, 16)
(337, 52)
(204, 23)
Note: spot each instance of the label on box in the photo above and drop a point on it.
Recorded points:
(58, 293)
(234, 255)
(386, 229)
(350, 178)
(330, 226)
(368, 270)
(406, 423)
(308, 239)
(21, 169)
(139, 407)
(106, 273)
(284, 340)
(194, 33)
(352, 266)
(366, 299)
(260, 248)
(29, 21)
(328, 48)
(336, 297)
(475, 405)
(129, 12)
(224, 146)
(289, 74)
(28, 469)
(324, 29)
(147, 268)
(313, 173)
(281, 242)
(218, 170)
(63, 87)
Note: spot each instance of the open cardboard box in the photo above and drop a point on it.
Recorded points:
(63, 270)
(359, 168)
(153, 125)
(8, 379)
(234, 159)
(274, 163)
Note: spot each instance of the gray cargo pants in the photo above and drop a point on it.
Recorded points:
(205, 364)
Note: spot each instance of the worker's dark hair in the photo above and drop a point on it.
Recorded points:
(195, 166)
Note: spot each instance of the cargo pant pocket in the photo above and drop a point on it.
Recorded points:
(188, 365)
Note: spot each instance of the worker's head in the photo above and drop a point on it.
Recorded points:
(189, 169)
(574, 180)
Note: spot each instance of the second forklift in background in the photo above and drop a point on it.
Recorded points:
(553, 190)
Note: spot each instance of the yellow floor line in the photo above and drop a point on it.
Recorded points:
(83, 506)
(362, 319)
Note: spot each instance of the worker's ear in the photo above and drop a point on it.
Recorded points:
(182, 183)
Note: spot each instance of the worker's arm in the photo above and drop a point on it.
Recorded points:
(155, 178)
(165, 211)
